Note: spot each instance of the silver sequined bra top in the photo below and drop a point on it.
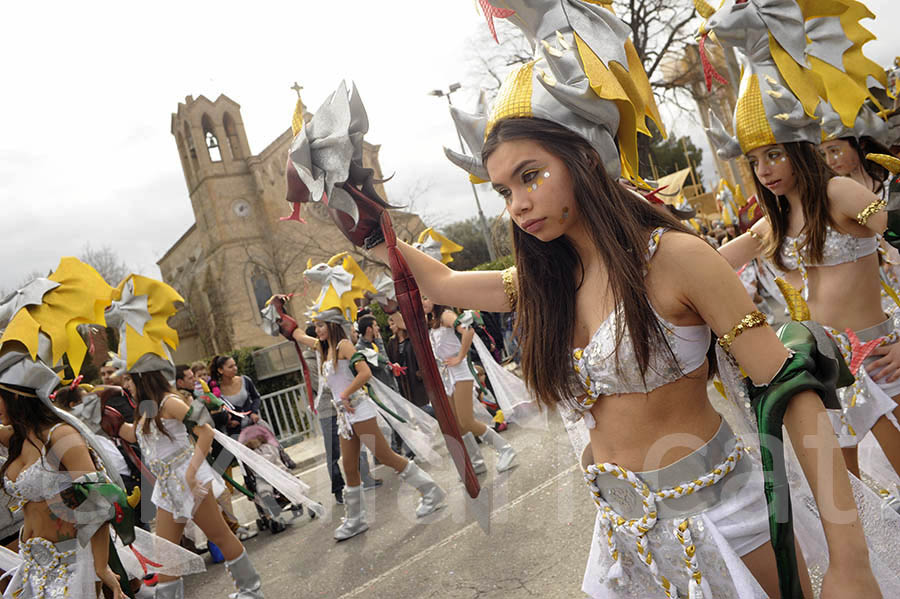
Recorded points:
(39, 481)
(595, 364)
(839, 248)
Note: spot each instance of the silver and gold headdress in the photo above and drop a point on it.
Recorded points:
(793, 54)
(343, 282)
(867, 124)
(585, 75)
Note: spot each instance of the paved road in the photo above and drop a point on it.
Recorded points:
(541, 524)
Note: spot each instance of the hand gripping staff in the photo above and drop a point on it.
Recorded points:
(325, 165)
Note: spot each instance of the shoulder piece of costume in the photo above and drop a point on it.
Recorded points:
(326, 153)
(198, 414)
(437, 246)
(586, 76)
(343, 282)
(140, 310)
(468, 319)
(792, 54)
(867, 124)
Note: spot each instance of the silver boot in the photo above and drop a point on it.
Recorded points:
(474, 453)
(170, 590)
(432, 495)
(245, 577)
(355, 514)
(505, 453)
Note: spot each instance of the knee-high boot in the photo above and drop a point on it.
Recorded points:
(355, 516)
(505, 453)
(173, 589)
(474, 453)
(432, 495)
(246, 578)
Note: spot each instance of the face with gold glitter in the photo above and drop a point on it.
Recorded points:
(536, 186)
(773, 168)
(840, 156)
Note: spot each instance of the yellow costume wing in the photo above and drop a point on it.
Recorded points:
(156, 332)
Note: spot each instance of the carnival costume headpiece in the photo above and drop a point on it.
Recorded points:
(867, 124)
(793, 54)
(437, 246)
(585, 75)
(140, 311)
(343, 282)
(732, 199)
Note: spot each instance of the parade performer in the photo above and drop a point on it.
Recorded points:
(348, 375)
(452, 354)
(614, 316)
(186, 486)
(56, 473)
(845, 148)
(820, 232)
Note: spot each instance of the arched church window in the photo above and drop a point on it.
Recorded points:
(192, 149)
(231, 135)
(262, 291)
(212, 142)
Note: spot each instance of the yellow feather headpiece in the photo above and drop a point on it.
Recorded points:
(343, 282)
(437, 246)
(140, 311)
(80, 297)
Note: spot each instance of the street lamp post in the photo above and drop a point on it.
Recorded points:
(484, 226)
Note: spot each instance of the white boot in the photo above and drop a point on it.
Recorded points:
(173, 589)
(474, 453)
(355, 514)
(505, 453)
(246, 578)
(432, 495)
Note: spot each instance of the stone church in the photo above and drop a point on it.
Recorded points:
(238, 253)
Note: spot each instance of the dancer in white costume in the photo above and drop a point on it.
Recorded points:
(349, 377)
(614, 316)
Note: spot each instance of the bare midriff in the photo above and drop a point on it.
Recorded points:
(41, 521)
(844, 296)
(648, 431)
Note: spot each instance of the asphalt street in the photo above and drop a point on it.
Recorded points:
(541, 522)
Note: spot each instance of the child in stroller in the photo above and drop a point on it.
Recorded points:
(269, 502)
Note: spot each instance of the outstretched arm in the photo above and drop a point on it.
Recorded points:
(476, 290)
(746, 247)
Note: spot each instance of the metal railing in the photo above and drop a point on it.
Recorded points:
(287, 411)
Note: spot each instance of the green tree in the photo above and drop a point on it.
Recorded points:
(467, 233)
(668, 156)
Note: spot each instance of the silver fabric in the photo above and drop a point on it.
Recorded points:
(839, 248)
(31, 294)
(355, 516)
(133, 310)
(245, 577)
(474, 453)
(626, 501)
(170, 590)
(432, 495)
(561, 89)
(868, 124)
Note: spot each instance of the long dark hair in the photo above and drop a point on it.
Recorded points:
(619, 223)
(433, 318)
(865, 146)
(150, 390)
(812, 175)
(335, 335)
(26, 415)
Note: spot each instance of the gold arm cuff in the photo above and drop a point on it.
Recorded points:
(756, 236)
(750, 321)
(876, 206)
(509, 286)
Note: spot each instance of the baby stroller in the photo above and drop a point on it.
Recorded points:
(269, 502)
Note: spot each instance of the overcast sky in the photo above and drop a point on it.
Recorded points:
(86, 155)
